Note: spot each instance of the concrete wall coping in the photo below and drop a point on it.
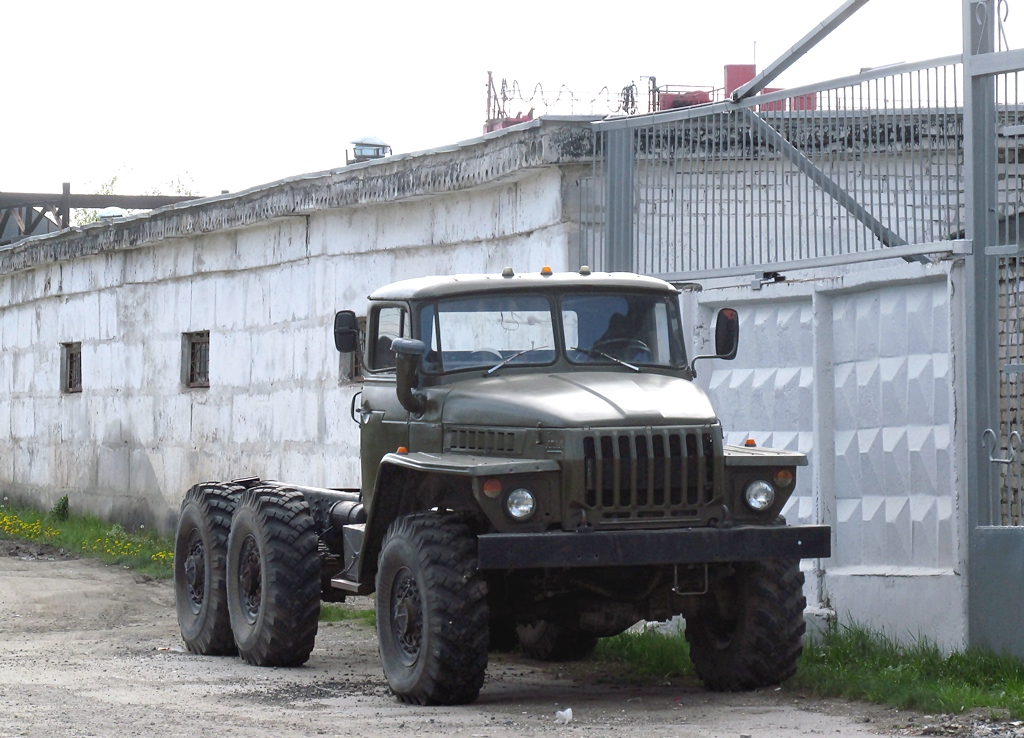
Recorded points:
(477, 162)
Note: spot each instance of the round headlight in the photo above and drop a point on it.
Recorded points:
(520, 503)
(759, 495)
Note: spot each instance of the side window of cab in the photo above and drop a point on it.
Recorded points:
(390, 322)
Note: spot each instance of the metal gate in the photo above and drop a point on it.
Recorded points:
(858, 169)
(994, 122)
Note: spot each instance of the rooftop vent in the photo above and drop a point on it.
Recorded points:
(367, 148)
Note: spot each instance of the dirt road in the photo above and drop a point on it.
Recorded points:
(90, 650)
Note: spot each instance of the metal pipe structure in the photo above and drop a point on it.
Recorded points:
(802, 46)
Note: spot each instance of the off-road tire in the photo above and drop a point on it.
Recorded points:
(760, 642)
(432, 615)
(273, 577)
(550, 641)
(200, 568)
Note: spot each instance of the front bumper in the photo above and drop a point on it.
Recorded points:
(559, 549)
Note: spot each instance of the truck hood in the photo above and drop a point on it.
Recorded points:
(578, 399)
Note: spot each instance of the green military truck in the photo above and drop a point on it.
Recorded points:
(538, 469)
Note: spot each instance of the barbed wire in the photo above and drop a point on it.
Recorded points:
(608, 102)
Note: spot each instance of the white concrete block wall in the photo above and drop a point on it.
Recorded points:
(893, 428)
(854, 368)
(131, 443)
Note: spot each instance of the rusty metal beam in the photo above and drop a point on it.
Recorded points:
(65, 206)
(129, 202)
(33, 218)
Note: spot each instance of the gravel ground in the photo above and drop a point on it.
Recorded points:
(94, 650)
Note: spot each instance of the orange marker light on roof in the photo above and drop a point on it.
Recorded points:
(545, 271)
(750, 443)
(402, 450)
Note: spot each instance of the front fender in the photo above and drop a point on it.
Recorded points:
(413, 482)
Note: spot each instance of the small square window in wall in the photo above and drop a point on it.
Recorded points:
(71, 367)
(195, 369)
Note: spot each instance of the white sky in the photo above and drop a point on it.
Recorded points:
(227, 95)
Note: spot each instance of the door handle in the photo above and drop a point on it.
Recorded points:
(352, 409)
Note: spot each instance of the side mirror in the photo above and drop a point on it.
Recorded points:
(407, 354)
(727, 333)
(346, 331)
(727, 338)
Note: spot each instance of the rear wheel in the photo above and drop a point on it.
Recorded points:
(200, 565)
(432, 624)
(748, 634)
(551, 641)
(273, 577)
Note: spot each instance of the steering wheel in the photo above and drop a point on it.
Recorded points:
(619, 345)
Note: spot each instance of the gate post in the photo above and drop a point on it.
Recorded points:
(619, 200)
(995, 554)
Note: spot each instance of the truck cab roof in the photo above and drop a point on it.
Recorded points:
(463, 284)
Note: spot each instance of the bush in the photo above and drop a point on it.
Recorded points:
(60, 511)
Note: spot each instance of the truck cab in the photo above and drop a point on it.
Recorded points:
(588, 371)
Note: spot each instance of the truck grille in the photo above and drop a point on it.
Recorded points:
(649, 473)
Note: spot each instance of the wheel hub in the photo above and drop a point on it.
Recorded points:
(195, 571)
(407, 617)
(250, 579)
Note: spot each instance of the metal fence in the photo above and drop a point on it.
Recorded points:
(859, 168)
(1009, 210)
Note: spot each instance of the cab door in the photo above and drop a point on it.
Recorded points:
(383, 422)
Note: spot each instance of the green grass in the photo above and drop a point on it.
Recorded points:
(648, 654)
(856, 663)
(336, 613)
(144, 552)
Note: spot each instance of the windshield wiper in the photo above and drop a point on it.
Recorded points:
(516, 355)
(592, 352)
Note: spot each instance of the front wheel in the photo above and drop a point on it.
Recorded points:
(432, 616)
(748, 632)
(273, 586)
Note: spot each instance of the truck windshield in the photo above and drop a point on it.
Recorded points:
(641, 329)
(517, 330)
(482, 332)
